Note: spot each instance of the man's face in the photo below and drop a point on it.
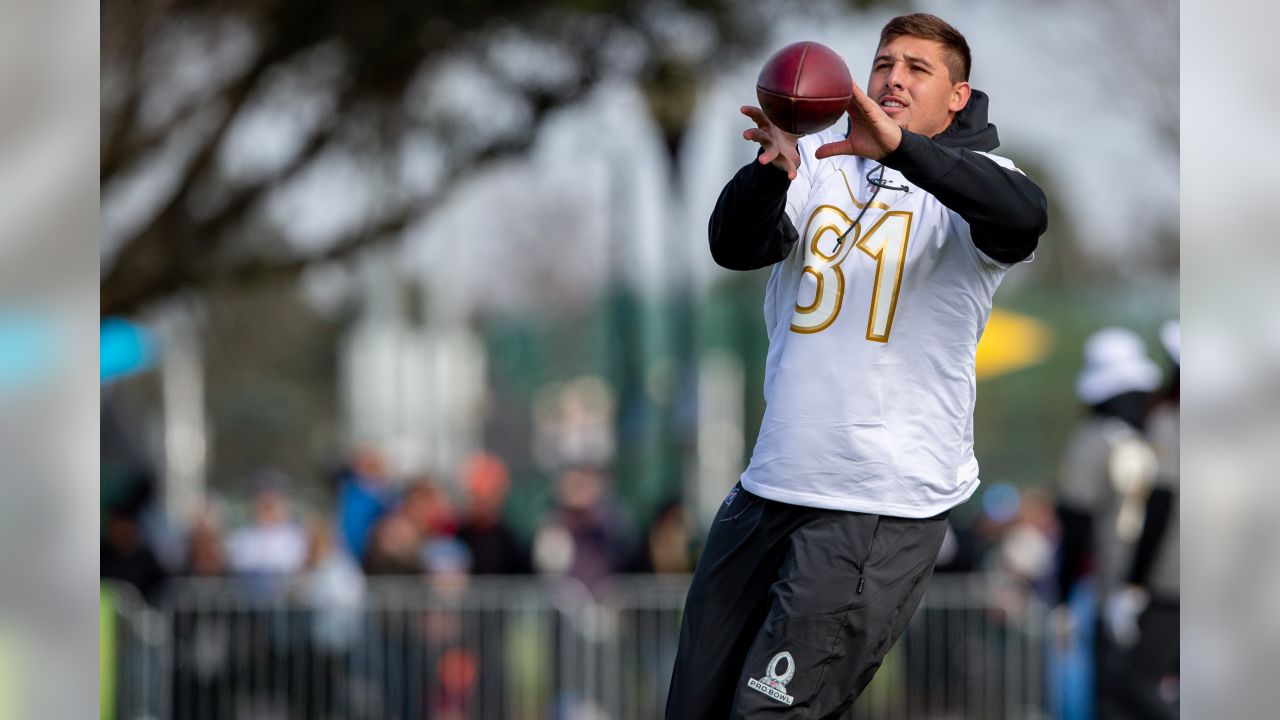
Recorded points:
(911, 83)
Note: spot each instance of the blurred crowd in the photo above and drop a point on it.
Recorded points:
(381, 526)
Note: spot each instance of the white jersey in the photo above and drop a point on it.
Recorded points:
(869, 380)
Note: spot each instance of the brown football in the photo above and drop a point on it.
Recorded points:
(804, 87)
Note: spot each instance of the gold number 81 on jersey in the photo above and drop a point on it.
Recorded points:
(885, 242)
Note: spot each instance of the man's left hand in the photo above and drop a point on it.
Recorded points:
(873, 133)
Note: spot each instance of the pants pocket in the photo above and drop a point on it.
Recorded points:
(736, 504)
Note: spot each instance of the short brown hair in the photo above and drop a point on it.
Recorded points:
(931, 27)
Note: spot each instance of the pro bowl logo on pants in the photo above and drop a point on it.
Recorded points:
(774, 683)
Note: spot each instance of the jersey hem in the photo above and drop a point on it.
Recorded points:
(824, 502)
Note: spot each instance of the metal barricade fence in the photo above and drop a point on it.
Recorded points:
(135, 647)
(975, 649)
(405, 648)
(522, 649)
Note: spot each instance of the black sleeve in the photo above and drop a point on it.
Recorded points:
(749, 227)
(1075, 548)
(1159, 510)
(1006, 212)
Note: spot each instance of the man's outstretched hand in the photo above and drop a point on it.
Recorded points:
(873, 133)
(779, 147)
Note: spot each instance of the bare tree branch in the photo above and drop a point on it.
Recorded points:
(387, 229)
(183, 245)
(125, 33)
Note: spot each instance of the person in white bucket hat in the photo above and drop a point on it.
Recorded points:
(1145, 614)
(1115, 363)
(1107, 473)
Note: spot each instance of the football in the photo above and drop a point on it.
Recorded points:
(804, 88)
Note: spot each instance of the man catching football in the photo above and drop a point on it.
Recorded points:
(887, 237)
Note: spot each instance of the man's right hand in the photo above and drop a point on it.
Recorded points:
(779, 147)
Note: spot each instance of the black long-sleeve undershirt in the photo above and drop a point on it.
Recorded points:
(1006, 212)
(749, 227)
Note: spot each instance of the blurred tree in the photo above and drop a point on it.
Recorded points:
(1140, 40)
(225, 123)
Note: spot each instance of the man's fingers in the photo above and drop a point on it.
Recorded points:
(865, 105)
(756, 115)
(763, 134)
(858, 94)
(840, 147)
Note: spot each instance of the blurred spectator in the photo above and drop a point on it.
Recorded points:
(446, 558)
(202, 641)
(1026, 550)
(205, 554)
(401, 543)
(666, 545)
(333, 586)
(364, 496)
(1106, 475)
(124, 556)
(432, 513)
(493, 546)
(1145, 614)
(273, 544)
(429, 508)
(582, 536)
(1155, 564)
(394, 547)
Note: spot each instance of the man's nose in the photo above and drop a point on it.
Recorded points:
(893, 78)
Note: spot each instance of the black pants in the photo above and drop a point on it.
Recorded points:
(792, 608)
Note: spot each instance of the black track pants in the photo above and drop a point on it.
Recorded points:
(792, 608)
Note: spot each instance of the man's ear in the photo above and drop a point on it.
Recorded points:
(960, 93)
